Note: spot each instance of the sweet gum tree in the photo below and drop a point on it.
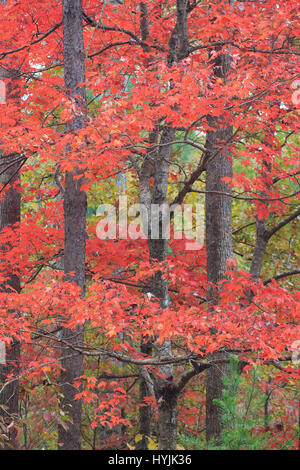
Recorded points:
(185, 101)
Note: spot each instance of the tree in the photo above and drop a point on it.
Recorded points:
(10, 206)
(163, 93)
(75, 219)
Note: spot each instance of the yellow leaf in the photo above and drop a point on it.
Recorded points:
(152, 445)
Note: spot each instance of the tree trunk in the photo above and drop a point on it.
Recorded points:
(165, 390)
(10, 209)
(218, 215)
(75, 223)
(144, 411)
(9, 397)
(167, 422)
(157, 164)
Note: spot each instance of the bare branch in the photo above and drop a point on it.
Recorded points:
(281, 224)
(295, 272)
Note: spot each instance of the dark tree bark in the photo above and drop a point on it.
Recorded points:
(167, 402)
(75, 222)
(157, 164)
(10, 208)
(218, 216)
(9, 396)
(218, 206)
(145, 411)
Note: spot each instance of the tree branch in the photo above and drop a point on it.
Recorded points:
(271, 232)
(295, 272)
